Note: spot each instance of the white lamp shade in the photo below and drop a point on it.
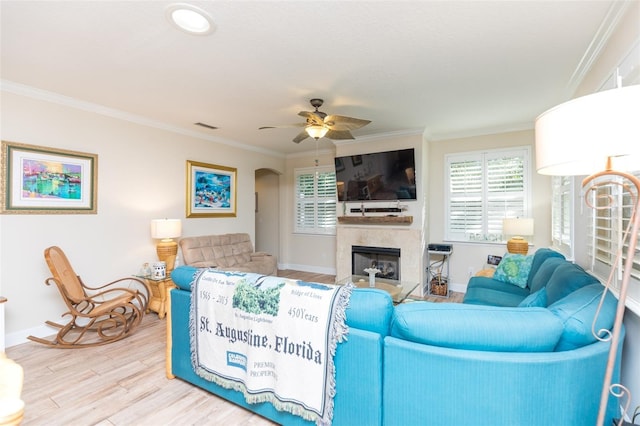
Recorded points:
(316, 131)
(578, 136)
(166, 228)
(517, 226)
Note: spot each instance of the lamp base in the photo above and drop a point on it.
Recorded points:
(517, 245)
(167, 252)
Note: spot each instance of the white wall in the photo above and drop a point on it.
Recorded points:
(141, 176)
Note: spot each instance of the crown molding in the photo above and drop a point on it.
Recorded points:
(614, 15)
(55, 98)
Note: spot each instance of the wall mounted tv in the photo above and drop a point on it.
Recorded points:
(378, 176)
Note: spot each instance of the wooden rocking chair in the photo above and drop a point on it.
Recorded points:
(102, 315)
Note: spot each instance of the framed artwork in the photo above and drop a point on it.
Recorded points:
(211, 190)
(41, 180)
(339, 165)
(356, 160)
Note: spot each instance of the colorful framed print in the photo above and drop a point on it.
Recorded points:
(41, 180)
(211, 190)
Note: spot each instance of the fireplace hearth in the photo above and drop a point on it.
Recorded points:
(386, 259)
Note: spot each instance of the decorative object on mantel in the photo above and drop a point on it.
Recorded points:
(372, 275)
(375, 220)
(579, 137)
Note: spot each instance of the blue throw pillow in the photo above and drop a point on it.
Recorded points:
(535, 300)
(577, 311)
(514, 269)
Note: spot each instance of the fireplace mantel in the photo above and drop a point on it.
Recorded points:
(376, 220)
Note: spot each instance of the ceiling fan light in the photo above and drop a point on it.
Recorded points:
(317, 131)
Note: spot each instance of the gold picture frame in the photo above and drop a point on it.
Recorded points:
(211, 190)
(43, 180)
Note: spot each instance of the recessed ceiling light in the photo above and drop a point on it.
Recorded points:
(190, 19)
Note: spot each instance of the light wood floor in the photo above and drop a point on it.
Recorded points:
(124, 383)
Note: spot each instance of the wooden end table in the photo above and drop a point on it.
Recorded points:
(158, 297)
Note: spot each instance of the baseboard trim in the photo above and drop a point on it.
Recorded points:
(20, 337)
(307, 268)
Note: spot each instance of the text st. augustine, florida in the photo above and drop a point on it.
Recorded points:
(281, 344)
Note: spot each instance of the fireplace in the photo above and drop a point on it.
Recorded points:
(408, 240)
(387, 260)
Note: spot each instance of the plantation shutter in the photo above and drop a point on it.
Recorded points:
(606, 234)
(483, 188)
(316, 197)
(562, 214)
(465, 197)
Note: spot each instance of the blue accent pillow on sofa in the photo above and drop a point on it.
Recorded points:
(535, 300)
(514, 269)
(577, 311)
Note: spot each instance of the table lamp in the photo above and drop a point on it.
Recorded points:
(517, 228)
(165, 230)
(581, 137)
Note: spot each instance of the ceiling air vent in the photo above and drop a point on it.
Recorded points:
(206, 125)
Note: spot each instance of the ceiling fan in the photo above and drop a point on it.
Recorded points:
(319, 124)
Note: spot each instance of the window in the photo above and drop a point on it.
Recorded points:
(607, 226)
(562, 214)
(315, 200)
(482, 189)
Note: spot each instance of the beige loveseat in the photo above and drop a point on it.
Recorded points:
(229, 252)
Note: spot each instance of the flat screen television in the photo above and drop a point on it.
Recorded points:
(377, 176)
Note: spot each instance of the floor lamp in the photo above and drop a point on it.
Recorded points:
(578, 138)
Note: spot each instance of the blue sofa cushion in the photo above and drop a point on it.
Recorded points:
(370, 309)
(475, 327)
(514, 269)
(543, 273)
(183, 275)
(487, 291)
(535, 300)
(566, 279)
(577, 311)
(539, 257)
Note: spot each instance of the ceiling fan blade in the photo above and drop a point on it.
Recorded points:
(312, 117)
(301, 136)
(339, 122)
(284, 126)
(339, 135)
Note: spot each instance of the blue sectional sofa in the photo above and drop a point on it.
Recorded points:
(487, 361)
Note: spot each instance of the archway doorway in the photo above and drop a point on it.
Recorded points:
(267, 211)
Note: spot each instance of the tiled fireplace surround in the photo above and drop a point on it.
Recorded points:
(406, 239)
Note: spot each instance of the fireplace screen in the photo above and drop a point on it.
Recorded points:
(387, 260)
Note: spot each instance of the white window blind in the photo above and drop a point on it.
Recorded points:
(483, 188)
(605, 236)
(315, 200)
(562, 190)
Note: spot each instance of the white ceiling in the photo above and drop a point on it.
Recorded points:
(447, 68)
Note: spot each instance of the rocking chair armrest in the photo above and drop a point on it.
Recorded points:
(142, 282)
(132, 278)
